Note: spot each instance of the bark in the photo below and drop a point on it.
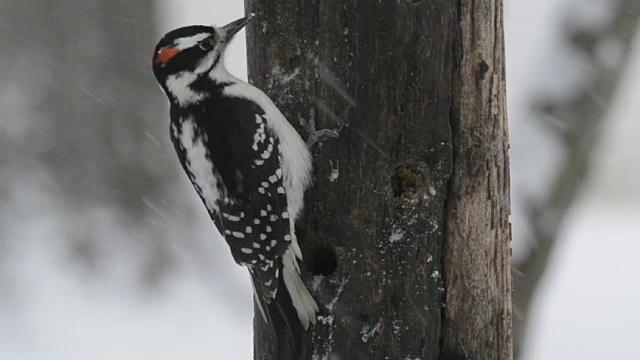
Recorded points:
(405, 234)
(478, 312)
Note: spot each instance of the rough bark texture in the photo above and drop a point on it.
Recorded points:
(416, 185)
(476, 262)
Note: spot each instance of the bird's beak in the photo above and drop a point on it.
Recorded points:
(231, 29)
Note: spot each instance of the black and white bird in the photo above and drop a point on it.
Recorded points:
(246, 162)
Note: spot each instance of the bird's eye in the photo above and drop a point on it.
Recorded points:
(206, 44)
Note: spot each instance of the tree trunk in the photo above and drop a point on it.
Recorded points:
(405, 234)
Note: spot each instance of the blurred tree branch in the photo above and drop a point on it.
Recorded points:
(578, 121)
(85, 133)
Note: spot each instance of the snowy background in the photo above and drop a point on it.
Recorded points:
(52, 308)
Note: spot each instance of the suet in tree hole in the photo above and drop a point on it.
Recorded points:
(407, 182)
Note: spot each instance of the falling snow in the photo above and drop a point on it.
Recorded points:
(43, 292)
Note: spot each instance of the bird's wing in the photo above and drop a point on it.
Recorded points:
(253, 213)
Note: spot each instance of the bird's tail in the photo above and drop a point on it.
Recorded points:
(292, 309)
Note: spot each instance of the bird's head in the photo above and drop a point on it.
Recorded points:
(191, 51)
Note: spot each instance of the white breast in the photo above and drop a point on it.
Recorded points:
(201, 171)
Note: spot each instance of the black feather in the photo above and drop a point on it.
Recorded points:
(282, 318)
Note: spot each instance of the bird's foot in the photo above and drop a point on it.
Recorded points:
(319, 136)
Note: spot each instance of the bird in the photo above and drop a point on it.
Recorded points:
(247, 163)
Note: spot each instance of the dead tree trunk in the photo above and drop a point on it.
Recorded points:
(406, 232)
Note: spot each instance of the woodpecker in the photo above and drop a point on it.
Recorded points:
(246, 162)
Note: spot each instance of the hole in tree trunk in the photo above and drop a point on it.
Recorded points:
(323, 260)
(407, 182)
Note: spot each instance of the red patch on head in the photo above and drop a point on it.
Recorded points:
(166, 54)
